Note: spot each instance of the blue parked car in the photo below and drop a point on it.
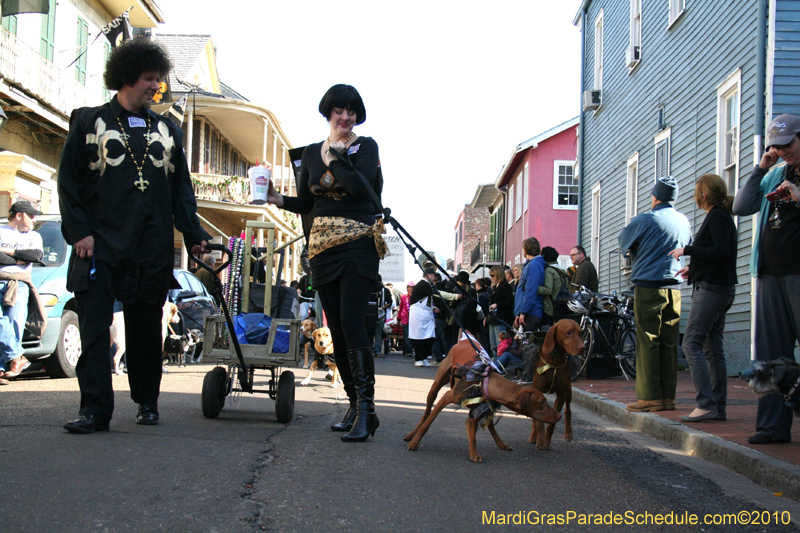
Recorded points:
(58, 350)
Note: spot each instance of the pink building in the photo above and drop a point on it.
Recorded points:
(540, 193)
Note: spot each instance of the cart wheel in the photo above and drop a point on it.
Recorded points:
(214, 392)
(284, 402)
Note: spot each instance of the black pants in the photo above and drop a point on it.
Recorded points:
(345, 302)
(422, 348)
(143, 342)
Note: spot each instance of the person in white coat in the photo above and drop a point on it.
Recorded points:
(421, 326)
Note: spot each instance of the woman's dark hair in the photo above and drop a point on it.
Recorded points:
(131, 59)
(715, 190)
(344, 97)
(531, 246)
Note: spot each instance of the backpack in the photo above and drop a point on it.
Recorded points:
(563, 291)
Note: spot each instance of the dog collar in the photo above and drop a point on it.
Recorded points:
(548, 366)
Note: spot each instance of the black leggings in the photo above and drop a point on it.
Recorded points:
(345, 301)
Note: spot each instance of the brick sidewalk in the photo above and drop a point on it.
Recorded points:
(741, 411)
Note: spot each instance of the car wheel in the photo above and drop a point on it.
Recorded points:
(61, 364)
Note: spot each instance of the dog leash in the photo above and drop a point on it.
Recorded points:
(788, 398)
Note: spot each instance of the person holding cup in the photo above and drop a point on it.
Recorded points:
(345, 245)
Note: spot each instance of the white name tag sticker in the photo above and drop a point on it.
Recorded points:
(353, 149)
(136, 122)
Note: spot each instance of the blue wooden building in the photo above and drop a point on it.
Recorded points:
(681, 88)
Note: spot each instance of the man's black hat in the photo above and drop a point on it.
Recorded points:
(23, 206)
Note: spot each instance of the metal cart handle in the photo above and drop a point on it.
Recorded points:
(214, 247)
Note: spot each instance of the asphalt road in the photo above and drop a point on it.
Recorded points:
(246, 472)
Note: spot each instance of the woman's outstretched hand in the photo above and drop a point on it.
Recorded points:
(273, 196)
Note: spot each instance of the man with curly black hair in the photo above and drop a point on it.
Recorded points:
(123, 182)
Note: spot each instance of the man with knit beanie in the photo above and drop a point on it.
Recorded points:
(650, 237)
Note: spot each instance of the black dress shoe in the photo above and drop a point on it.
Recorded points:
(86, 424)
(763, 438)
(147, 414)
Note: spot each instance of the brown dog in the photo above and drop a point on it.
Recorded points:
(307, 327)
(525, 400)
(323, 344)
(551, 375)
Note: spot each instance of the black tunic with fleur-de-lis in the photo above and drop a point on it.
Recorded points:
(100, 194)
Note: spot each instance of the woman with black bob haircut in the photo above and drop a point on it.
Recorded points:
(343, 97)
(127, 63)
(345, 244)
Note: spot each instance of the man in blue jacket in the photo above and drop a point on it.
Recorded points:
(528, 305)
(657, 311)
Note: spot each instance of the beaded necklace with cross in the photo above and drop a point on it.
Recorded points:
(142, 183)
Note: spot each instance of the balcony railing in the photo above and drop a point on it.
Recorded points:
(217, 188)
(25, 67)
(476, 257)
(234, 190)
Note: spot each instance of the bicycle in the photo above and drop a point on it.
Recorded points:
(608, 328)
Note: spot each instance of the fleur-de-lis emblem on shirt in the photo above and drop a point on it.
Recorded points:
(165, 138)
(100, 137)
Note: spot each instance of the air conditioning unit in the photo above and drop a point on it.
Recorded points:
(626, 262)
(632, 56)
(591, 99)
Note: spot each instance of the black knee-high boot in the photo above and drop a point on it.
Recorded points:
(346, 372)
(362, 365)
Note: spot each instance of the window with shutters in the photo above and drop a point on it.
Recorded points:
(510, 206)
(565, 185)
(48, 33)
(520, 187)
(106, 55)
(81, 51)
(635, 40)
(728, 125)
(662, 142)
(595, 225)
(598, 51)
(10, 24)
(526, 185)
(632, 188)
(676, 9)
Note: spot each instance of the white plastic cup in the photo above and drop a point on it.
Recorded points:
(259, 183)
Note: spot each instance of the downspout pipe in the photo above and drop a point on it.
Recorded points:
(582, 169)
(758, 138)
(761, 79)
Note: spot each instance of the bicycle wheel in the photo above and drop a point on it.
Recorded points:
(626, 351)
(578, 363)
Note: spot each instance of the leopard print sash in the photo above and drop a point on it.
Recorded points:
(328, 232)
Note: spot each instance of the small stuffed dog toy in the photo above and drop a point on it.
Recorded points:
(781, 376)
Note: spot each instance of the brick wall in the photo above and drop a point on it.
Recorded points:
(476, 227)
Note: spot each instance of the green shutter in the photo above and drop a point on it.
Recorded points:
(106, 55)
(81, 51)
(10, 24)
(47, 43)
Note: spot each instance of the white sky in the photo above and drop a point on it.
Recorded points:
(450, 87)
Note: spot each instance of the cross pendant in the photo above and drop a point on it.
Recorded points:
(142, 183)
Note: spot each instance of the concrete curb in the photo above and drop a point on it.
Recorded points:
(774, 474)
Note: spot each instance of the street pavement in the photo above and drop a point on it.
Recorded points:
(246, 472)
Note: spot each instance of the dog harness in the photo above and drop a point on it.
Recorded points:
(547, 366)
